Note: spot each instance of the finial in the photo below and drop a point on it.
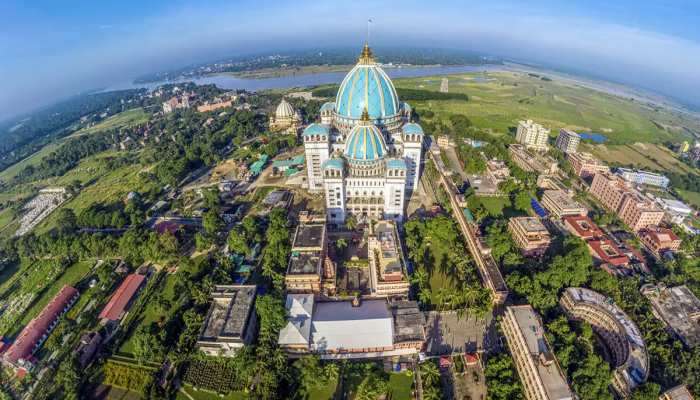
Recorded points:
(366, 56)
(365, 115)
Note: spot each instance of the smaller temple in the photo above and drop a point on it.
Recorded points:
(285, 119)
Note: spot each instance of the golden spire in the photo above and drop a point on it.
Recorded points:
(366, 56)
(365, 115)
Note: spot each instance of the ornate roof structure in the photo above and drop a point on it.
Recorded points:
(365, 141)
(368, 87)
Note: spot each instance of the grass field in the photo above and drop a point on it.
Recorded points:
(71, 276)
(124, 119)
(205, 395)
(400, 385)
(691, 197)
(642, 155)
(325, 392)
(498, 100)
(496, 206)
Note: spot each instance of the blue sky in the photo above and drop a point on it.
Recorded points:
(51, 49)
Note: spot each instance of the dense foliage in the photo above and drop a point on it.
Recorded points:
(501, 379)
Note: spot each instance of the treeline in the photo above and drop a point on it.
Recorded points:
(23, 136)
(690, 182)
(404, 94)
(67, 156)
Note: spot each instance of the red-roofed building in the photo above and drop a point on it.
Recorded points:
(582, 226)
(659, 240)
(171, 227)
(122, 298)
(19, 354)
(604, 251)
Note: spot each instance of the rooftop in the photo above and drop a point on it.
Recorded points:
(304, 263)
(340, 325)
(408, 321)
(300, 308)
(122, 296)
(549, 372)
(530, 225)
(582, 226)
(608, 252)
(309, 237)
(679, 309)
(229, 312)
(25, 343)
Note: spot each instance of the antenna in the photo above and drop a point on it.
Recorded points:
(369, 22)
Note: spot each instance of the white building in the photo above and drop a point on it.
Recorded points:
(568, 141)
(365, 154)
(676, 211)
(643, 177)
(532, 135)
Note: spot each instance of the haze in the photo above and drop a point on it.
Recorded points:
(50, 50)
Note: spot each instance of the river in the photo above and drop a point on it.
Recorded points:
(231, 82)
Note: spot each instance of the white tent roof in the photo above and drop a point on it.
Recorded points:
(339, 325)
(299, 310)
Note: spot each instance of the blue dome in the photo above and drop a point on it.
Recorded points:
(316, 129)
(328, 106)
(412, 129)
(365, 143)
(367, 86)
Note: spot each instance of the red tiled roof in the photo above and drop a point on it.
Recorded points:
(659, 235)
(23, 346)
(583, 226)
(167, 226)
(608, 252)
(121, 297)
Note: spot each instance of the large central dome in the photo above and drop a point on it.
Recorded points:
(368, 87)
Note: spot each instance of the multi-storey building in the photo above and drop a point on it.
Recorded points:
(386, 268)
(561, 205)
(365, 154)
(537, 367)
(530, 235)
(631, 206)
(532, 161)
(643, 177)
(585, 165)
(659, 240)
(618, 332)
(533, 136)
(307, 265)
(496, 171)
(568, 141)
(582, 226)
(231, 321)
(638, 212)
(678, 308)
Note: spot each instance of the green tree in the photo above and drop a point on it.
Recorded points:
(212, 222)
(501, 379)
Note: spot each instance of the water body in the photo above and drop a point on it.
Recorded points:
(595, 137)
(231, 82)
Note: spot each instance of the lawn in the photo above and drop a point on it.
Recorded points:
(72, 275)
(205, 395)
(325, 392)
(641, 155)
(124, 119)
(400, 385)
(691, 197)
(498, 100)
(496, 206)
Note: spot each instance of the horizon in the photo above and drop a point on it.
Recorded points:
(54, 53)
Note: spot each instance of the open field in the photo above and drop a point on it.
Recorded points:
(498, 100)
(325, 392)
(691, 197)
(200, 394)
(642, 155)
(295, 70)
(71, 276)
(11, 171)
(124, 119)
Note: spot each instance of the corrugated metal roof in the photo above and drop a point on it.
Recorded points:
(121, 297)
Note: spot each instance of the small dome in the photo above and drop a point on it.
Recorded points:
(333, 163)
(412, 129)
(365, 143)
(316, 129)
(284, 110)
(396, 163)
(328, 106)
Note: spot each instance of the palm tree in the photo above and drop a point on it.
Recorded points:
(431, 393)
(419, 277)
(341, 244)
(351, 223)
(430, 374)
(424, 296)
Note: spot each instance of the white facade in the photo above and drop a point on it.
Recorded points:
(643, 177)
(568, 141)
(532, 135)
(366, 165)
